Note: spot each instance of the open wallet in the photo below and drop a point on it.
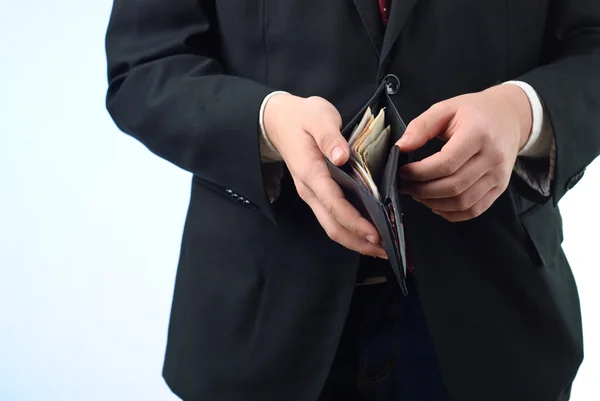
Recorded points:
(370, 177)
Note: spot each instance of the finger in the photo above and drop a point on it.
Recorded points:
(465, 200)
(451, 186)
(331, 142)
(476, 210)
(340, 234)
(427, 126)
(317, 180)
(456, 152)
(301, 152)
(332, 198)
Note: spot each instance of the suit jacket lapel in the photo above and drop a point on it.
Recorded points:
(399, 13)
(369, 13)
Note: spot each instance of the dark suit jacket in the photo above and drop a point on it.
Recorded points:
(261, 292)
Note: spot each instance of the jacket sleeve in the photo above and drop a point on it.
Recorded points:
(168, 89)
(569, 86)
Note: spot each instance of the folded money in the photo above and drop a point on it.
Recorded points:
(369, 144)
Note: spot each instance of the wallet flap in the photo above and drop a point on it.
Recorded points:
(399, 266)
(391, 200)
(389, 185)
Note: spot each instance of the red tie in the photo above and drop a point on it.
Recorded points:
(384, 7)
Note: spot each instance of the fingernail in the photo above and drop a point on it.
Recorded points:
(384, 256)
(372, 239)
(336, 154)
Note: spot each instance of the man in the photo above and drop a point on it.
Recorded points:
(273, 300)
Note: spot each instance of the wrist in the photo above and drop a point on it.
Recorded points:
(270, 116)
(521, 106)
(268, 151)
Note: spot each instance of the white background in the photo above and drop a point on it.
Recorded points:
(90, 223)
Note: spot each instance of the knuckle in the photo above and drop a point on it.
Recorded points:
(455, 189)
(325, 142)
(365, 249)
(307, 179)
(438, 107)
(303, 192)
(448, 165)
(350, 226)
(330, 209)
(499, 176)
(499, 156)
(475, 211)
(485, 134)
(301, 179)
(418, 124)
(464, 203)
(334, 234)
(323, 111)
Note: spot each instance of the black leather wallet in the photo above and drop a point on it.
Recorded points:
(385, 215)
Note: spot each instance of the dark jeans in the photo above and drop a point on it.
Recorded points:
(385, 353)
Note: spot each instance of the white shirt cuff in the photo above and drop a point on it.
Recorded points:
(268, 152)
(541, 137)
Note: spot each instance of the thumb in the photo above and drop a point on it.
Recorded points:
(427, 126)
(334, 146)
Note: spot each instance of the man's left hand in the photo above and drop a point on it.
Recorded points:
(483, 132)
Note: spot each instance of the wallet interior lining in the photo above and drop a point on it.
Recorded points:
(397, 127)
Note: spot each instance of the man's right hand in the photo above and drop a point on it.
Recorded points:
(303, 130)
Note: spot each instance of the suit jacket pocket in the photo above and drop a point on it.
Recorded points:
(543, 225)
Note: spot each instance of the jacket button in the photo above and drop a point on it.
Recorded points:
(574, 180)
(392, 84)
